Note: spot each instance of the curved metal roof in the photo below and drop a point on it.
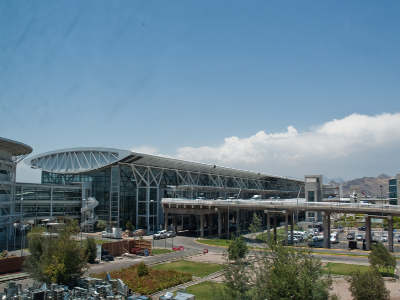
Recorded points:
(13, 147)
(80, 160)
(76, 160)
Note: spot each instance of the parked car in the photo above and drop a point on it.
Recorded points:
(105, 256)
(362, 228)
(170, 234)
(160, 235)
(384, 238)
(334, 237)
(359, 237)
(351, 236)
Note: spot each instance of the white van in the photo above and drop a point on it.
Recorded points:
(334, 237)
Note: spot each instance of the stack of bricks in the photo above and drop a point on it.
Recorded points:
(121, 247)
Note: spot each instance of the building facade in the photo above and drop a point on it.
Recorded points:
(129, 186)
(11, 152)
(394, 188)
(316, 191)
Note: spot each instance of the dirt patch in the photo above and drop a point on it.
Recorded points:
(210, 257)
(340, 287)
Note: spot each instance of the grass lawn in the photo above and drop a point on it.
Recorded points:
(154, 281)
(195, 268)
(101, 242)
(205, 290)
(215, 242)
(157, 251)
(347, 269)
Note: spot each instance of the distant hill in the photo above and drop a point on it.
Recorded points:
(368, 186)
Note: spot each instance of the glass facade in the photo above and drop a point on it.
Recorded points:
(38, 201)
(128, 192)
(393, 191)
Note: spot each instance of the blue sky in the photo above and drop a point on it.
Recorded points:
(175, 75)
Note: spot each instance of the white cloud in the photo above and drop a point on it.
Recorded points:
(348, 147)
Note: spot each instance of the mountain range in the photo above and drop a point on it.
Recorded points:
(365, 186)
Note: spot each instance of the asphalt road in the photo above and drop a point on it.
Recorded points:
(330, 256)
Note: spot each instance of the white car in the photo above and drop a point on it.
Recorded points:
(334, 238)
(160, 235)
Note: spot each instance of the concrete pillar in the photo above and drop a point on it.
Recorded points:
(238, 222)
(219, 224)
(275, 225)
(327, 229)
(201, 225)
(165, 219)
(367, 233)
(174, 223)
(227, 225)
(390, 233)
(291, 227)
(286, 227)
(268, 227)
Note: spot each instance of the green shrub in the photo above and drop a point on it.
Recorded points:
(142, 270)
(237, 249)
(368, 286)
(101, 225)
(91, 250)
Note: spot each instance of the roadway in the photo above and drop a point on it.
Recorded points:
(326, 255)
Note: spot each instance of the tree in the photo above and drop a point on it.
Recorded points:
(91, 250)
(129, 225)
(380, 257)
(237, 249)
(286, 273)
(236, 282)
(101, 225)
(368, 285)
(282, 273)
(56, 257)
(255, 225)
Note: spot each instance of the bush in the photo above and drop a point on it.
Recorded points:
(237, 249)
(368, 286)
(142, 270)
(282, 273)
(129, 226)
(55, 259)
(101, 225)
(91, 250)
(380, 257)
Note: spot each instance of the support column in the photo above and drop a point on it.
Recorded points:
(268, 228)
(227, 225)
(174, 223)
(201, 225)
(219, 224)
(165, 219)
(367, 233)
(238, 221)
(327, 229)
(291, 228)
(286, 227)
(275, 224)
(390, 233)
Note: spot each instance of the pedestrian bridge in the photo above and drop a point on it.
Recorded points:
(282, 204)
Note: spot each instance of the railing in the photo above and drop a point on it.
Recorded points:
(298, 204)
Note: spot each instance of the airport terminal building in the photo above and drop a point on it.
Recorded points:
(129, 186)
